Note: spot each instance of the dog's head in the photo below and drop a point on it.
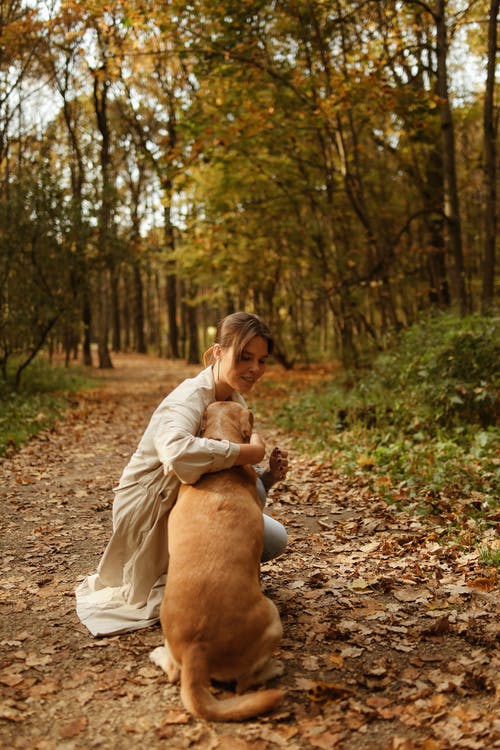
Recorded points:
(227, 420)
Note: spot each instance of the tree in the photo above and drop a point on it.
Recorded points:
(35, 263)
(62, 59)
(315, 162)
(451, 199)
(490, 126)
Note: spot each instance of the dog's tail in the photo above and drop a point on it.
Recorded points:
(197, 698)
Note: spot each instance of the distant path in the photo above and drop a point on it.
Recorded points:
(391, 641)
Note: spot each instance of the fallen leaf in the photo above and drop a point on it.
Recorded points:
(321, 692)
(230, 742)
(47, 687)
(34, 660)
(326, 740)
(337, 660)
(11, 712)
(351, 652)
(140, 725)
(173, 716)
(281, 735)
(365, 461)
(73, 728)
(401, 743)
(311, 663)
(483, 584)
(11, 679)
(360, 585)
(411, 594)
(370, 547)
(432, 744)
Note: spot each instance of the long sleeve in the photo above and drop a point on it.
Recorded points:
(180, 450)
(125, 593)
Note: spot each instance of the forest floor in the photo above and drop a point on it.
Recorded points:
(390, 639)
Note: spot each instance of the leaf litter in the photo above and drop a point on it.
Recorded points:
(390, 638)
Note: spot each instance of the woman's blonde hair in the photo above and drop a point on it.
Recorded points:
(235, 331)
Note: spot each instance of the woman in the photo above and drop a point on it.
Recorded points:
(126, 592)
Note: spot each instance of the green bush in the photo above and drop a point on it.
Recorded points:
(420, 426)
(447, 369)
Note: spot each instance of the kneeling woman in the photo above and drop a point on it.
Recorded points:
(126, 592)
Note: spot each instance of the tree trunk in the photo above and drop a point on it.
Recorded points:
(87, 326)
(126, 310)
(193, 355)
(490, 166)
(103, 322)
(451, 202)
(101, 89)
(171, 278)
(115, 311)
(77, 170)
(433, 198)
(140, 340)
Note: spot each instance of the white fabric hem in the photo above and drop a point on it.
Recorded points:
(105, 611)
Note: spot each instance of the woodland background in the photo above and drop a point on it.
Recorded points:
(329, 165)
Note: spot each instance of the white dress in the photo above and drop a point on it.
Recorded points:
(126, 591)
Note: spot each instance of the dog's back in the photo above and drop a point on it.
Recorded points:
(215, 537)
(216, 621)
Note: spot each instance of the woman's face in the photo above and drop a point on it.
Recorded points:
(243, 375)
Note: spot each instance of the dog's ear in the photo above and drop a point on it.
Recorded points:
(246, 425)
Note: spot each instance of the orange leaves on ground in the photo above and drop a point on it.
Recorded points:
(73, 728)
(390, 636)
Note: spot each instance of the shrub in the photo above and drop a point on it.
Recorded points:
(447, 369)
(421, 425)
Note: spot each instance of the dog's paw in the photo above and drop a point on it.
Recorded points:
(163, 659)
(160, 657)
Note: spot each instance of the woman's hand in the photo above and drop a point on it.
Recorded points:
(252, 452)
(278, 468)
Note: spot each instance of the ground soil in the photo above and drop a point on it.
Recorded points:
(390, 637)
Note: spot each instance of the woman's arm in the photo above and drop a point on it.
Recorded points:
(180, 450)
(252, 452)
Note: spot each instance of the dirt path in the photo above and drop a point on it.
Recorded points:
(391, 641)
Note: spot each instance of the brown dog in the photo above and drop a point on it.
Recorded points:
(216, 621)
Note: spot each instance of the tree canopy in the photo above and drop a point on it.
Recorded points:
(331, 166)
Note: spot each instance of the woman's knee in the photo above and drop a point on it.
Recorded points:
(275, 538)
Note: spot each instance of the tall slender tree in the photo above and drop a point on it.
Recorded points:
(490, 125)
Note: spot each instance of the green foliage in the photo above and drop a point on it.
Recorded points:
(42, 399)
(37, 267)
(449, 367)
(422, 426)
(490, 556)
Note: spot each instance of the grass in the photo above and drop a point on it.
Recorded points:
(490, 556)
(42, 399)
(403, 462)
(420, 427)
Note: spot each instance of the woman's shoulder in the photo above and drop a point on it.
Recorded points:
(203, 381)
(200, 388)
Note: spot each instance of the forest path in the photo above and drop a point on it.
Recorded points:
(390, 640)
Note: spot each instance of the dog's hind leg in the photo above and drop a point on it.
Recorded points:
(265, 668)
(162, 657)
